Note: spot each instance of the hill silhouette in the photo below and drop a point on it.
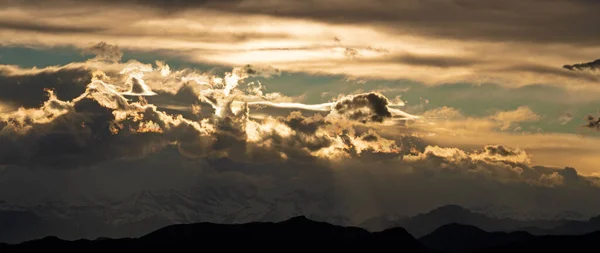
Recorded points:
(552, 243)
(451, 238)
(200, 235)
(20, 226)
(456, 238)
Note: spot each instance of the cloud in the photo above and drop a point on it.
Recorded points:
(36, 27)
(466, 43)
(343, 156)
(521, 114)
(451, 120)
(364, 107)
(25, 88)
(588, 66)
(551, 180)
(105, 52)
(443, 112)
(433, 60)
(494, 161)
(159, 4)
(474, 20)
(112, 119)
(565, 118)
(593, 122)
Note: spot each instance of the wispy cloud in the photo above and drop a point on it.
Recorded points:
(371, 42)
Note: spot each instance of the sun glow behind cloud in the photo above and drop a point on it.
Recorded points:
(104, 111)
(203, 116)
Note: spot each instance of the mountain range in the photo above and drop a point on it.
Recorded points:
(58, 219)
(451, 238)
(425, 223)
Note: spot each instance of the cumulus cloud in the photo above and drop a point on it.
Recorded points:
(202, 129)
(112, 119)
(25, 88)
(493, 161)
(364, 107)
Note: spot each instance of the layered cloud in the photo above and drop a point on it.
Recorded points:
(452, 118)
(467, 42)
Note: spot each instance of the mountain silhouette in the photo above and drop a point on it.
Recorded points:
(451, 238)
(576, 227)
(425, 223)
(198, 236)
(455, 238)
(20, 226)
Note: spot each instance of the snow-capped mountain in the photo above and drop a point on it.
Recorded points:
(145, 211)
(506, 212)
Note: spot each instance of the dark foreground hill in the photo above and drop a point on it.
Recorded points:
(552, 243)
(299, 232)
(465, 238)
(455, 238)
(202, 235)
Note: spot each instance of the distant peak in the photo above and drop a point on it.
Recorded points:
(595, 220)
(300, 218)
(451, 208)
(457, 227)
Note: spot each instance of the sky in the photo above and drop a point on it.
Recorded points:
(396, 106)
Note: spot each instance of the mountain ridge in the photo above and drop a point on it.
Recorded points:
(450, 238)
(16, 228)
(200, 235)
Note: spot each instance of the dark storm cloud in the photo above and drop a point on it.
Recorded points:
(27, 89)
(364, 107)
(303, 124)
(90, 133)
(593, 122)
(499, 150)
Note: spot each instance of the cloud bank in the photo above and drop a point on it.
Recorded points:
(76, 123)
